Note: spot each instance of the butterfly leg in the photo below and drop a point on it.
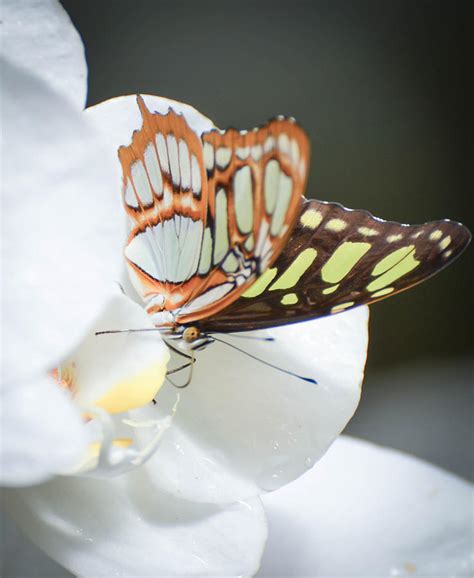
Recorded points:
(176, 369)
(190, 364)
(190, 376)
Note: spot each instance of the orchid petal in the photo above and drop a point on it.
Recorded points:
(42, 432)
(370, 511)
(244, 428)
(39, 37)
(126, 527)
(62, 225)
(119, 371)
(118, 117)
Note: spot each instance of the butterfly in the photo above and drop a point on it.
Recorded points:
(222, 240)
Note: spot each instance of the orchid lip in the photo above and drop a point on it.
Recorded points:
(113, 456)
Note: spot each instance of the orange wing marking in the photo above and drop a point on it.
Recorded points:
(207, 215)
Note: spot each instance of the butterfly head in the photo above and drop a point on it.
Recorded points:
(193, 339)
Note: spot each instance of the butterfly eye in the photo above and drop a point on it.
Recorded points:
(190, 334)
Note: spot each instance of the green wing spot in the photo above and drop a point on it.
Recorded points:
(445, 243)
(289, 299)
(383, 292)
(294, 272)
(392, 259)
(342, 306)
(344, 258)
(311, 219)
(399, 270)
(330, 290)
(261, 283)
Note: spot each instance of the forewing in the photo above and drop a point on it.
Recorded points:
(255, 182)
(165, 197)
(207, 216)
(337, 259)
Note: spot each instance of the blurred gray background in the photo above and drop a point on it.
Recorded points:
(382, 90)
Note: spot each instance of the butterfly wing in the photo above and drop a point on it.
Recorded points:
(210, 214)
(337, 259)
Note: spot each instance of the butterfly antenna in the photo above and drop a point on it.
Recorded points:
(254, 337)
(307, 379)
(127, 330)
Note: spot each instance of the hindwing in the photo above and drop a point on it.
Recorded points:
(208, 213)
(337, 259)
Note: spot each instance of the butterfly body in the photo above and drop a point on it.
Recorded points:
(222, 240)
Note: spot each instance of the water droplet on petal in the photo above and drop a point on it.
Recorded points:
(179, 449)
(276, 476)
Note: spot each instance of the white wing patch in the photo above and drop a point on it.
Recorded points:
(139, 252)
(185, 165)
(206, 253)
(169, 251)
(243, 199)
(162, 152)
(172, 146)
(285, 190)
(141, 183)
(195, 176)
(221, 229)
(153, 170)
(271, 184)
(223, 156)
(130, 196)
(207, 298)
(208, 154)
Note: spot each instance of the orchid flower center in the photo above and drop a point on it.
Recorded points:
(117, 443)
(65, 377)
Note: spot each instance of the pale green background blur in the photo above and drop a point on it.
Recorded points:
(382, 89)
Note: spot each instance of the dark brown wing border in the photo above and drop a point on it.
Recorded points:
(378, 258)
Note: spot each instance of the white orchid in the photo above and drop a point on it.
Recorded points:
(237, 431)
(125, 487)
